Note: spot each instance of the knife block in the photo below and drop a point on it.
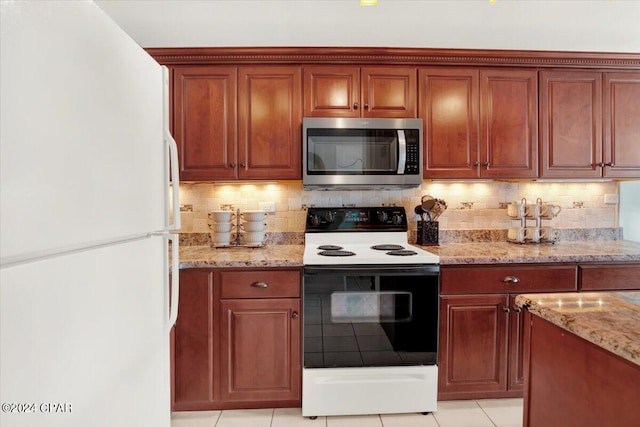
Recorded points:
(427, 233)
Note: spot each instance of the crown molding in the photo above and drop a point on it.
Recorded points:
(395, 56)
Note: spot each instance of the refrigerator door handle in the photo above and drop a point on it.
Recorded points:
(173, 280)
(172, 165)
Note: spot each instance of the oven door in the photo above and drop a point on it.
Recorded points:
(364, 316)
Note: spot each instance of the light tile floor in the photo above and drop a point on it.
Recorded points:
(462, 413)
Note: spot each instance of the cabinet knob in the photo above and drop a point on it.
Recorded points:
(476, 164)
(600, 164)
(487, 164)
(506, 309)
(232, 165)
(356, 106)
(517, 309)
(295, 315)
(242, 165)
(366, 107)
(610, 164)
(510, 279)
(260, 285)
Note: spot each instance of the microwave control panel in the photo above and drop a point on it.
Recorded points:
(412, 166)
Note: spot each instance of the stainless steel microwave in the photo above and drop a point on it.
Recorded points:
(341, 153)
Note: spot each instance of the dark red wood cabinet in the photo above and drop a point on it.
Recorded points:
(237, 340)
(589, 124)
(479, 123)
(375, 91)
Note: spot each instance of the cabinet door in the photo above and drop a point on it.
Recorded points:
(570, 123)
(204, 111)
(269, 122)
(516, 346)
(389, 92)
(261, 359)
(622, 125)
(448, 106)
(473, 344)
(331, 91)
(509, 124)
(196, 343)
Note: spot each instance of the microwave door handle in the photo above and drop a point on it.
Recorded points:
(402, 152)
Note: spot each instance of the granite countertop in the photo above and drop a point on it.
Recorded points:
(267, 256)
(504, 252)
(610, 320)
(281, 255)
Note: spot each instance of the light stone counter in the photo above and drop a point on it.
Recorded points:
(283, 255)
(610, 320)
(267, 256)
(506, 253)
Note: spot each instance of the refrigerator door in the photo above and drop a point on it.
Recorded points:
(83, 339)
(82, 154)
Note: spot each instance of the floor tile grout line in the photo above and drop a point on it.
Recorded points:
(485, 412)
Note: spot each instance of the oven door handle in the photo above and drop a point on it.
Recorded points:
(413, 270)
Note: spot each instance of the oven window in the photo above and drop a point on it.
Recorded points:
(352, 152)
(370, 320)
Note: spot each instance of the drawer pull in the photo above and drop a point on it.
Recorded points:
(259, 285)
(510, 279)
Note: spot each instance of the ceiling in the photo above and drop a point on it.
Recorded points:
(578, 25)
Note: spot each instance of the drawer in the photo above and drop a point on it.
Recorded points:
(603, 277)
(508, 279)
(260, 284)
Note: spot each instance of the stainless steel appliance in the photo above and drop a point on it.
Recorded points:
(344, 153)
(370, 315)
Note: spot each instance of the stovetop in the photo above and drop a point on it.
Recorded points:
(347, 236)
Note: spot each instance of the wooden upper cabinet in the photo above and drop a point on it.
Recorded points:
(621, 117)
(375, 91)
(269, 122)
(509, 124)
(204, 121)
(570, 124)
(479, 123)
(448, 105)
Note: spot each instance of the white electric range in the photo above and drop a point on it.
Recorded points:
(370, 315)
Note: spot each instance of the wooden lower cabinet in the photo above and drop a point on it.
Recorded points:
(261, 351)
(473, 344)
(481, 344)
(236, 343)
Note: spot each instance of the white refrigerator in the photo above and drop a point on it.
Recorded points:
(86, 301)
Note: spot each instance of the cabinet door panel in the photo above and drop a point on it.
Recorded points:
(448, 105)
(331, 91)
(473, 344)
(509, 123)
(622, 125)
(269, 122)
(196, 382)
(516, 346)
(389, 92)
(571, 125)
(205, 121)
(261, 339)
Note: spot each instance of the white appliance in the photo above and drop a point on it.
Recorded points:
(370, 315)
(85, 304)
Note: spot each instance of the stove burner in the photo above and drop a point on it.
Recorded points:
(336, 253)
(329, 247)
(404, 252)
(387, 247)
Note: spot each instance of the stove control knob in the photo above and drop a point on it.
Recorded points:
(383, 216)
(314, 219)
(396, 219)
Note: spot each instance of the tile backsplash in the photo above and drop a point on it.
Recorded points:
(471, 205)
